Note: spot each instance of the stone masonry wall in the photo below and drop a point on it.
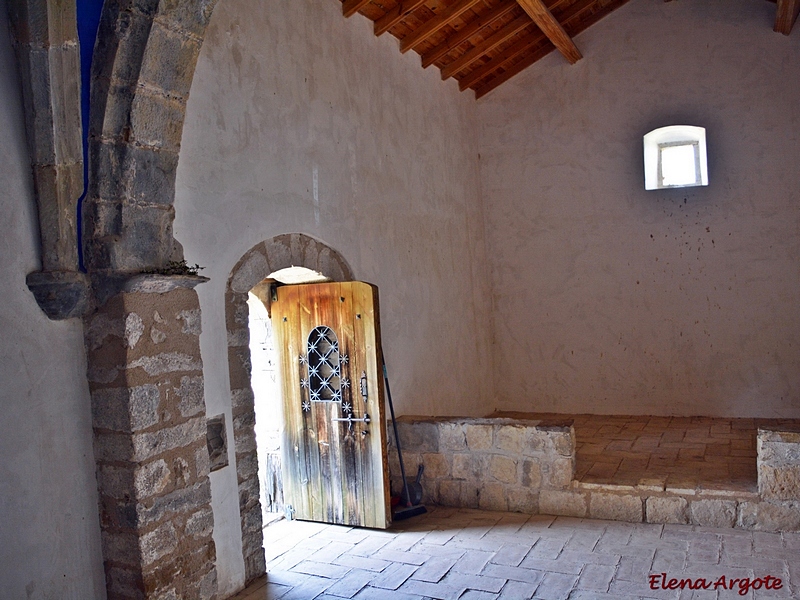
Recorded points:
(779, 478)
(494, 464)
(149, 423)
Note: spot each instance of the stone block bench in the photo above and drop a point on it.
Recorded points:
(528, 466)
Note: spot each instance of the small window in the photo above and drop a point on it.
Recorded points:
(675, 157)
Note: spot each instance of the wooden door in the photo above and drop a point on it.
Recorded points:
(334, 450)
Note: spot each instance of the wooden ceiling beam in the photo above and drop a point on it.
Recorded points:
(577, 18)
(489, 44)
(552, 29)
(431, 26)
(397, 14)
(511, 52)
(501, 59)
(463, 34)
(351, 7)
(512, 70)
(786, 16)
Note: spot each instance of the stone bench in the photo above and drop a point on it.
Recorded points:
(528, 466)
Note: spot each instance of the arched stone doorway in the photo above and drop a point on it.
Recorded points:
(257, 264)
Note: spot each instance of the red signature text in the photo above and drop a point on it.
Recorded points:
(744, 585)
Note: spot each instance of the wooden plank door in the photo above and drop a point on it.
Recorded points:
(334, 451)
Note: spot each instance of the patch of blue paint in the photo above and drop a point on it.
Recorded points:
(88, 13)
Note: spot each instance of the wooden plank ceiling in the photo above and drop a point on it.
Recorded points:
(484, 43)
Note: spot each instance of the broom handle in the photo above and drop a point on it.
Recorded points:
(396, 436)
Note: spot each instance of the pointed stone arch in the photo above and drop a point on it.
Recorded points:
(289, 250)
(142, 71)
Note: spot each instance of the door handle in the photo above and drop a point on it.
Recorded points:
(350, 420)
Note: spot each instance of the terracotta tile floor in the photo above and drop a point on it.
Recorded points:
(682, 452)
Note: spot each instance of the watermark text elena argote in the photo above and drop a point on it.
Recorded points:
(660, 581)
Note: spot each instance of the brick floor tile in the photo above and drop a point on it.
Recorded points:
(617, 532)
(547, 548)
(289, 578)
(736, 544)
(591, 595)
(492, 544)
(794, 574)
(405, 540)
(311, 587)
(330, 552)
(439, 591)
(517, 590)
(371, 593)
(361, 562)
(565, 525)
(761, 565)
(289, 559)
(547, 565)
(646, 533)
(474, 582)
(668, 560)
(434, 568)
(537, 524)
(369, 546)
(641, 589)
(633, 568)
(584, 540)
(408, 558)
(556, 586)
(522, 575)
(687, 594)
(596, 558)
(475, 530)
(393, 576)
(320, 569)
(596, 577)
(440, 537)
(791, 540)
(511, 554)
(472, 562)
(705, 551)
(432, 550)
(478, 595)
(352, 583)
(766, 541)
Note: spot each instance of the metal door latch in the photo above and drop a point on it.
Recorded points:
(363, 386)
(350, 420)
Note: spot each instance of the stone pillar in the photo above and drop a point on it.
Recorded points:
(244, 421)
(148, 410)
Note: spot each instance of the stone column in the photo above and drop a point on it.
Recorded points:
(146, 380)
(45, 38)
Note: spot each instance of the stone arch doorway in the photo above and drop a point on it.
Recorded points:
(258, 264)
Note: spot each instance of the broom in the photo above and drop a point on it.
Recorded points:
(411, 510)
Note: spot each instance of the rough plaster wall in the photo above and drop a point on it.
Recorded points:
(610, 299)
(302, 121)
(49, 530)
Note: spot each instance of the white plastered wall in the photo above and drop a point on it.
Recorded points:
(49, 528)
(610, 299)
(302, 121)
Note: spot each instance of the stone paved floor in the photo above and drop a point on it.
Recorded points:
(474, 555)
(683, 452)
